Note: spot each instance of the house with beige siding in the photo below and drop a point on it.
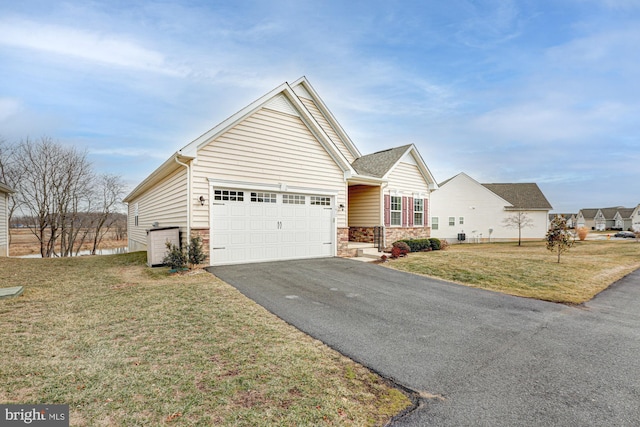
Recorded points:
(463, 206)
(279, 180)
(5, 193)
(587, 218)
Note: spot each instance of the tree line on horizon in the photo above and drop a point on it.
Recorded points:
(58, 196)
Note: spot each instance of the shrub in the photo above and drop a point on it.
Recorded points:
(196, 254)
(436, 244)
(176, 258)
(418, 245)
(582, 232)
(399, 249)
(444, 245)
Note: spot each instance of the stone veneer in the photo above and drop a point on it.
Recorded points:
(203, 233)
(343, 243)
(393, 234)
(361, 234)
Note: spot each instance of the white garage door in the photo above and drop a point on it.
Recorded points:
(255, 226)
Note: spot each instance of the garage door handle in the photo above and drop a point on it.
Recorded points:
(221, 247)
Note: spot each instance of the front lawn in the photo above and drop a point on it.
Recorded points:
(123, 344)
(530, 270)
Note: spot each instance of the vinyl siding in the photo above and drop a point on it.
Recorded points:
(268, 147)
(481, 209)
(364, 206)
(4, 225)
(165, 204)
(407, 179)
(320, 118)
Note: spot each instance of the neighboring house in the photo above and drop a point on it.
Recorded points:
(607, 220)
(463, 205)
(587, 218)
(5, 192)
(281, 179)
(569, 217)
(635, 219)
(623, 218)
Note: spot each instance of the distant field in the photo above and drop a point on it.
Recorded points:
(127, 345)
(530, 270)
(24, 242)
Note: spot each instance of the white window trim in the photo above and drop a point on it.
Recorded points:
(421, 211)
(391, 211)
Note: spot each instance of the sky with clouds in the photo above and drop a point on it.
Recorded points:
(505, 91)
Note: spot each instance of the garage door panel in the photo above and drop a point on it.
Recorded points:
(261, 230)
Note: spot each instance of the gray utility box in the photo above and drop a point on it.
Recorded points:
(157, 239)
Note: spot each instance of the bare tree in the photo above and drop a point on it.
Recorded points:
(63, 202)
(107, 195)
(518, 220)
(9, 175)
(51, 191)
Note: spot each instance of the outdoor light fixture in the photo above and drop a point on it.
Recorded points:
(341, 207)
(202, 200)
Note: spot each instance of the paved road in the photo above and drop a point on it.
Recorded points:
(487, 359)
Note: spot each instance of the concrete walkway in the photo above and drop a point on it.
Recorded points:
(484, 358)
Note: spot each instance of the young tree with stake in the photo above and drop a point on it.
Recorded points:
(559, 238)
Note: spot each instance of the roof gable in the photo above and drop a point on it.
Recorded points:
(626, 213)
(610, 213)
(382, 163)
(463, 177)
(305, 91)
(283, 99)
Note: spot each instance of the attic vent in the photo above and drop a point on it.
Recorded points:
(281, 103)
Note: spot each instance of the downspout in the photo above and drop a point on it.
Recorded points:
(383, 186)
(188, 198)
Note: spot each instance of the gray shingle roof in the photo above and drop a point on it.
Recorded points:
(378, 164)
(589, 213)
(521, 195)
(610, 213)
(626, 212)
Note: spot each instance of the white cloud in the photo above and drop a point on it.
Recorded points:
(104, 48)
(9, 107)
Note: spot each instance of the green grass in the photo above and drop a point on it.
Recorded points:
(530, 270)
(123, 344)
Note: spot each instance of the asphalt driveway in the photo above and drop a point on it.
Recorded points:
(482, 357)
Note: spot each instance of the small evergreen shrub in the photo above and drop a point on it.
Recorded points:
(196, 254)
(176, 258)
(436, 244)
(418, 245)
